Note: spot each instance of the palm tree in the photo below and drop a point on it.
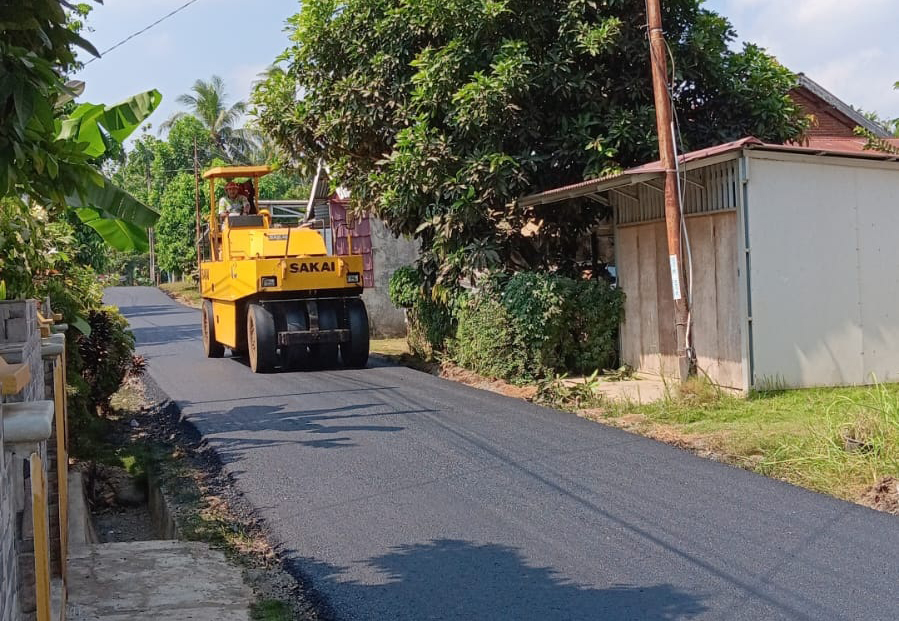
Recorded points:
(208, 102)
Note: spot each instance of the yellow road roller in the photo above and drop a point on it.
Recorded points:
(273, 292)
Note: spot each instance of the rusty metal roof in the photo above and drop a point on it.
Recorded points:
(821, 146)
(836, 144)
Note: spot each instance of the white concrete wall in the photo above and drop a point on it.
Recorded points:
(824, 277)
(388, 254)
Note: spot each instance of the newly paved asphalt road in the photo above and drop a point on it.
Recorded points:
(406, 497)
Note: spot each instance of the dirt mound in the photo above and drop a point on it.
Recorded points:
(883, 496)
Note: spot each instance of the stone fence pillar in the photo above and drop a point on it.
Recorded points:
(20, 343)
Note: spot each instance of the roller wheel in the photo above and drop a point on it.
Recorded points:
(355, 353)
(261, 346)
(325, 354)
(295, 356)
(213, 348)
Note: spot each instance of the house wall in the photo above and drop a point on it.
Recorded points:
(389, 253)
(824, 277)
(828, 121)
(647, 333)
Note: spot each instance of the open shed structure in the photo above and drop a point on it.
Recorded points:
(795, 263)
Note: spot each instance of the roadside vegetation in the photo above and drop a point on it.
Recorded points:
(146, 443)
(185, 291)
(838, 441)
(63, 221)
(519, 327)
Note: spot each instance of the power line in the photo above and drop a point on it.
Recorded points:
(142, 31)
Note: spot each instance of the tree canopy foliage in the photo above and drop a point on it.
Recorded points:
(208, 103)
(160, 171)
(49, 148)
(437, 115)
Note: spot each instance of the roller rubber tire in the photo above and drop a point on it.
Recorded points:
(262, 349)
(355, 353)
(295, 356)
(324, 355)
(211, 347)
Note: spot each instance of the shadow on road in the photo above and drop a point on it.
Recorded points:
(158, 310)
(227, 430)
(459, 580)
(164, 335)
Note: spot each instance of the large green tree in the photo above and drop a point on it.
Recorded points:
(159, 171)
(437, 114)
(50, 149)
(176, 229)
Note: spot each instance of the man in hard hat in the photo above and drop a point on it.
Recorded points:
(233, 203)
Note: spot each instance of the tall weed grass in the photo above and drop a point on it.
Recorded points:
(853, 444)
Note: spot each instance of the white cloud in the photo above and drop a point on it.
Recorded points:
(847, 46)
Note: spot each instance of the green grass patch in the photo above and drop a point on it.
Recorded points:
(186, 291)
(838, 441)
(270, 610)
(389, 347)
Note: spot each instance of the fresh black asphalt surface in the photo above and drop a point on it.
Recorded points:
(402, 496)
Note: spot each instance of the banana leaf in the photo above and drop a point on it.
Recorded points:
(114, 202)
(93, 124)
(118, 233)
(118, 217)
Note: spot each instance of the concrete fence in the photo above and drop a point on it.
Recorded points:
(33, 463)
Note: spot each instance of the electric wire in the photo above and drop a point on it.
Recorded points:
(141, 31)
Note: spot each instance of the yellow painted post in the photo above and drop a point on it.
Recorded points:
(62, 464)
(41, 538)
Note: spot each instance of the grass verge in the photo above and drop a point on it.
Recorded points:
(185, 292)
(270, 610)
(839, 441)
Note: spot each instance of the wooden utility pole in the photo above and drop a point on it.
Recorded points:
(665, 129)
(197, 241)
(150, 236)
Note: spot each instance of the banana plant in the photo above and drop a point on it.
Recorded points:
(119, 218)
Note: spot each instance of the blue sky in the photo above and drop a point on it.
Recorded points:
(847, 46)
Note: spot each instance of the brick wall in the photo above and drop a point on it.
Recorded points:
(828, 120)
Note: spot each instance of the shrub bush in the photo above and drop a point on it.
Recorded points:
(597, 311)
(521, 327)
(405, 287)
(105, 355)
(486, 340)
(541, 307)
(430, 325)
(535, 325)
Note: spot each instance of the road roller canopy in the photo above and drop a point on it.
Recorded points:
(232, 172)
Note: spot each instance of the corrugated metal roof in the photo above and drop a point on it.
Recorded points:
(700, 154)
(841, 106)
(821, 146)
(836, 144)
